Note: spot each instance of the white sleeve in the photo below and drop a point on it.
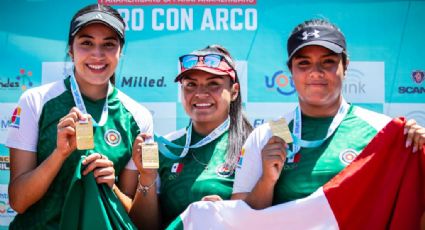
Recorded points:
(145, 124)
(250, 169)
(23, 129)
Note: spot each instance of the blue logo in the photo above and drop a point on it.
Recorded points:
(284, 84)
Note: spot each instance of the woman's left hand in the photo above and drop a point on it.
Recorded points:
(415, 135)
(102, 167)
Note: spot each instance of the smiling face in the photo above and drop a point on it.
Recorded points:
(318, 74)
(95, 51)
(206, 99)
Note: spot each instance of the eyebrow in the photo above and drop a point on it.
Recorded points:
(330, 54)
(210, 78)
(91, 37)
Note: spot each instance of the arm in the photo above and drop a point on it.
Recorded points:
(26, 176)
(145, 211)
(273, 157)
(126, 188)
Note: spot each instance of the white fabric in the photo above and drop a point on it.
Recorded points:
(143, 119)
(312, 212)
(31, 103)
(247, 176)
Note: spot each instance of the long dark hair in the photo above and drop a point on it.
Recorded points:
(90, 8)
(240, 127)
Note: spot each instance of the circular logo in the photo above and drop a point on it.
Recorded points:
(112, 137)
(223, 171)
(347, 156)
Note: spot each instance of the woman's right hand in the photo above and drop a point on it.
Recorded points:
(66, 141)
(273, 159)
(137, 157)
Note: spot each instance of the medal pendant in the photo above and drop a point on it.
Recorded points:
(84, 135)
(280, 128)
(150, 158)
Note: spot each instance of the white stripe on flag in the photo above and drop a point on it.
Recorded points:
(312, 212)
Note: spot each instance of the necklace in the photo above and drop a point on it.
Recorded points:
(198, 161)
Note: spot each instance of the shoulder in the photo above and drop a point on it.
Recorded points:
(374, 119)
(45, 92)
(138, 111)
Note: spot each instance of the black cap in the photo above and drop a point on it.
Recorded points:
(97, 16)
(326, 36)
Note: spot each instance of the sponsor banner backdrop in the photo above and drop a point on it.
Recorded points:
(386, 71)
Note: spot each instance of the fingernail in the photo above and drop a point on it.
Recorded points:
(405, 131)
(415, 149)
(408, 143)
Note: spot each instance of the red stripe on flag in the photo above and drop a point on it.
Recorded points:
(383, 188)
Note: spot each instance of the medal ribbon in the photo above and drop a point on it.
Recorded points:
(296, 129)
(162, 141)
(78, 99)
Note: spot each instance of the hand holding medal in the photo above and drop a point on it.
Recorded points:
(280, 129)
(84, 134)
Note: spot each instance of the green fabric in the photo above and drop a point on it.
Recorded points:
(316, 166)
(89, 205)
(177, 224)
(178, 190)
(46, 213)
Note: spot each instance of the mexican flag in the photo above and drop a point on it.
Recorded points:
(383, 188)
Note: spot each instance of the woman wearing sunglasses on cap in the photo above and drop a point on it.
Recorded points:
(43, 145)
(274, 172)
(211, 97)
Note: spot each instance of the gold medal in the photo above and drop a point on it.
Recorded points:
(84, 135)
(280, 128)
(150, 158)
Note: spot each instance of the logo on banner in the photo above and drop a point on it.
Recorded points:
(283, 84)
(15, 121)
(353, 84)
(257, 122)
(5, 209)
(418, 115)
(22, 80)
(418, 76)
(4, 163)
(142, 82)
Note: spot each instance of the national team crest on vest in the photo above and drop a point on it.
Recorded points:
(223, 171)
(112, 137)
(347, 156)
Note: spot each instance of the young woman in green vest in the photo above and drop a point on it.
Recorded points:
(42, 140)
(211, 96)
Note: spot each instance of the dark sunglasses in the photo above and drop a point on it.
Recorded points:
(210, 60)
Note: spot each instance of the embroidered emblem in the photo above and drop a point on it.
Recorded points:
(347, 156)
(15, 121)
(223, 171)
(112, 137)
(177, 167)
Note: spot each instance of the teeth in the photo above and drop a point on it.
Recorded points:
(97, 67)
(203, 104)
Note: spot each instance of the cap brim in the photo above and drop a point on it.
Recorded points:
(200, 68)
(328, 45)
(99, 17)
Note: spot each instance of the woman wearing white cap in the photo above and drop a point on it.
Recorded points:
(217, 130)
(274, 172)
(43, 144)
